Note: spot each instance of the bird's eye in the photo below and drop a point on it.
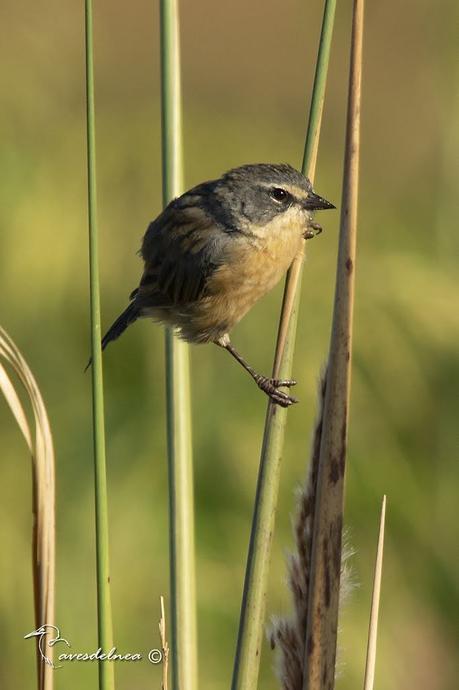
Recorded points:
(279, 194)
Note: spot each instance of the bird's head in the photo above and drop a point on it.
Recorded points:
(255, 195)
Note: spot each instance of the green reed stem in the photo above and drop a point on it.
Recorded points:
(181, 502)
(104, 612)
(247, 661)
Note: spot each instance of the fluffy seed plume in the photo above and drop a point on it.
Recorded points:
(288, 635)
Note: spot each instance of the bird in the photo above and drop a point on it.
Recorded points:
(216, 250)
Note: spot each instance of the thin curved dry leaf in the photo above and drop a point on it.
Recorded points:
(43, 484)
(15, 405)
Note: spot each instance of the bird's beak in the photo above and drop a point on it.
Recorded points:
(314, 202)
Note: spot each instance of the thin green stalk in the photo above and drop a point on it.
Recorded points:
(104, 612)
(247, 661)
(181, 502)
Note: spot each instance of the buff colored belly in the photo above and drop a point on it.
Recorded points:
(239, 284)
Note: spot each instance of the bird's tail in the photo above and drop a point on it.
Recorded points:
(129, 315)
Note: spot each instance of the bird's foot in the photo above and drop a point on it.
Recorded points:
(271, 388)
(313, 230)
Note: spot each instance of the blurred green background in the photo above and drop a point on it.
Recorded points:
(247, 73)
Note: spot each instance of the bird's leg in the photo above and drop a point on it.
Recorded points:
(267, 385)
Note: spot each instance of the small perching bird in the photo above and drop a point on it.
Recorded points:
(215, 250)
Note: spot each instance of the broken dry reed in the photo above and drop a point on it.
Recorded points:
(374, 615)
(104, 610)
(179, 444)
(326, 549)
(40, 444)
(250, 635)
(164, 646)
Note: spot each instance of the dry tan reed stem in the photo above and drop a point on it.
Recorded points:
(374, 615)
(43, 491)
(324, 585)
(247, 659)
(164, 646)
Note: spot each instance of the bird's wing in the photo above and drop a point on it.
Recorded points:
(181, 249)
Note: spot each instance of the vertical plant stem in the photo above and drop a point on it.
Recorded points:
(247, 661)
(104, 612)
(181, 502)
(374, 615)
(323, 602)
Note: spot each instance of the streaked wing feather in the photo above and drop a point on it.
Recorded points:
(176, 254)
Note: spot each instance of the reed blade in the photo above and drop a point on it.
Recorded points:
(179, 442)
(104, 609)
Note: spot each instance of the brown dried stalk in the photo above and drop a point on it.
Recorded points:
(308, 642)
(324, 582)
(164, 646)
(40, 445)
(288, 634)
(374, 615)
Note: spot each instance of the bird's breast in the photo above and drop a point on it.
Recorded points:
(253, 268)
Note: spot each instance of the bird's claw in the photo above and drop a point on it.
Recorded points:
(313, 230)
(271, 388)
(278, 383)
